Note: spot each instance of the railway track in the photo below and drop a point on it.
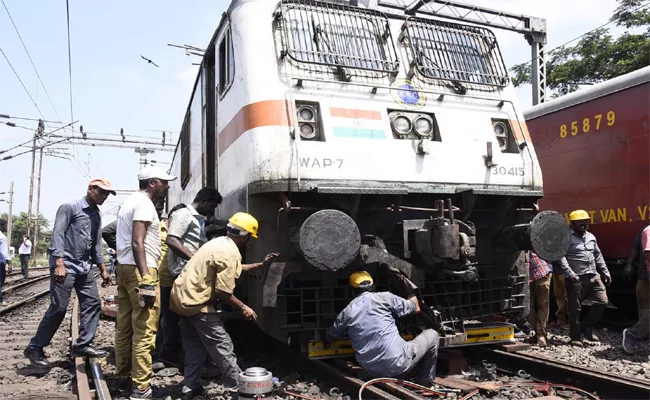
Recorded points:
(542, 368)
(81, 367)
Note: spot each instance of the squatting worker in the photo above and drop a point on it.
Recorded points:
(76, 246)
(641, 330)
(369, 322)
(540, 288)
(138, 253)
(642, 279)
(207, 278)
(185, 236)
(585, 271)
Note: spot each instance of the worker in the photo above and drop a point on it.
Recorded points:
(5, 258)
(209, 277)
(76, 246)
(585, 271)
(641, 330)
(185, 236)
(540, 284)
(138, 298)
(25, 252)
(369, 323)
(163, 276)
(642, 282)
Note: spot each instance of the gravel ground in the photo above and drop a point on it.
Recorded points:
(17, 377)
(606, 355)
(251, 352)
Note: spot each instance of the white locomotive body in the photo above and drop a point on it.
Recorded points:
(320, 116)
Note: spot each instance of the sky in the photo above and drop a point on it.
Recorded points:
(113, 87)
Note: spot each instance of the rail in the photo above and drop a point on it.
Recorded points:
(26, 300)
(25, 283)
(605, 384)
(83, 387)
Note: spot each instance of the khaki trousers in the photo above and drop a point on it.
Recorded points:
(540, 291)
(642, 296)
(561, 297)
(135, 330)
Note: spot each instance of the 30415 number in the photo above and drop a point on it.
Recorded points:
(587, 124)
(514, 171)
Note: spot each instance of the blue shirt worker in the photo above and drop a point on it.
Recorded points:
(5, 266)
(585, 272)
(369, 322)
(76, 246)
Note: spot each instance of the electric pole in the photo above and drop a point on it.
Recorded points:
(31, 187)
(38, 208)
(37, 134)
(10, 215)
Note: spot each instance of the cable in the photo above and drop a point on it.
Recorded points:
(42, 136)
(7, 116)
(548, 53)
(30, 59)
(401, 382)
(21, 82)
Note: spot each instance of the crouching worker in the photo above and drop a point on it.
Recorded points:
(209, 277)
(369, 323)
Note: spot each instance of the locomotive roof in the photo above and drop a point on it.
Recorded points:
(619, 83)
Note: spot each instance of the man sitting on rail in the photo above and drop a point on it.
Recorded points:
(76, 246)
(369, 323)
(209, 276)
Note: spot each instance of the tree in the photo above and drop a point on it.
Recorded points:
(597, 56)
(19, 228)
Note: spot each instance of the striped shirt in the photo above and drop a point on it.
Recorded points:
(538, 267)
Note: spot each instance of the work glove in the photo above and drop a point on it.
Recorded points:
(146, 292)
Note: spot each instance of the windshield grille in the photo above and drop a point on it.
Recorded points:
(337, 36)
(453, 52)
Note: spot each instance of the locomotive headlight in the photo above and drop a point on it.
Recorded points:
(308, 120)
(500, 129)
(307, 131)
(501, 133)
(306, 113)
(423, 125)
(401, 125)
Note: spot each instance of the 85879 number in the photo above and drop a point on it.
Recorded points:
(514, 171)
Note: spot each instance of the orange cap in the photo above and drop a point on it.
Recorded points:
(102, 183)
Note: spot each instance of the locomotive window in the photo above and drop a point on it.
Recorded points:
(338, 35)
(454, 52)
(226, 63)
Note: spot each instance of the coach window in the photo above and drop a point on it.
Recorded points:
(226, 63)
(185, 151)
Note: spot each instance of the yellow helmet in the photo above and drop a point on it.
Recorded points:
(579, 215)
(360, 278)
(246, 222)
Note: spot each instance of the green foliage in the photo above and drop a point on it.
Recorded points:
(20, 228)
(597, 56)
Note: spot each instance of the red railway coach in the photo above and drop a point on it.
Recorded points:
(594, 149)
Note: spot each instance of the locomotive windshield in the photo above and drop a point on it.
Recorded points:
(454, 52)
(338, 36)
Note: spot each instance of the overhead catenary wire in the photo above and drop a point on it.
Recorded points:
(21, 82)
(30, 59)
(41, 137)
(548, 53)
